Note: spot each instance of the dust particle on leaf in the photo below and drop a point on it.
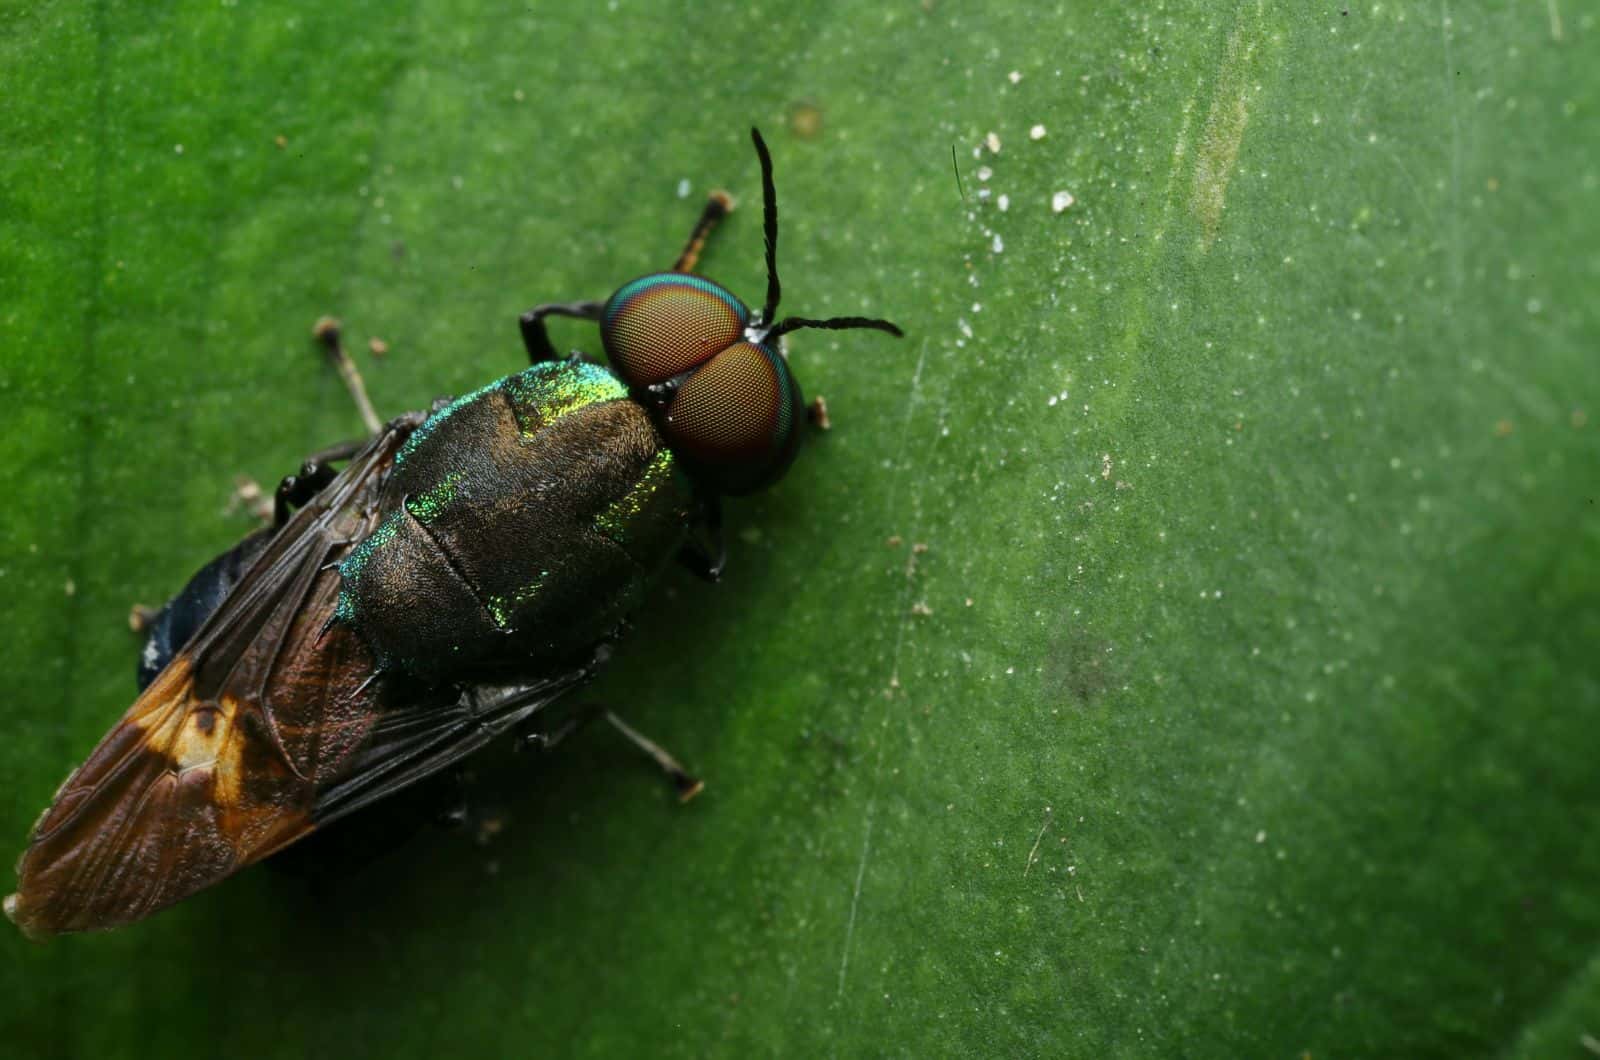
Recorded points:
(805, 120)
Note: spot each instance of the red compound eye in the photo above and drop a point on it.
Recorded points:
(736, 420)
(664, 324)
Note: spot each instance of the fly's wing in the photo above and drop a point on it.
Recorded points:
(408, 743)
(219, 762)
(266, 726)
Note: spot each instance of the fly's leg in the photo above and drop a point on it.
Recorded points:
(718, 206)
(300, 488)
(534, 336)
(683, 782)
(168, 628)
(337, 854)
(705, 554)
(326, 331)
(537, 339)
(295, 490)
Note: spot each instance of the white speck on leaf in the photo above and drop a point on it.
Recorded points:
(1036, 133)
(1060, 201)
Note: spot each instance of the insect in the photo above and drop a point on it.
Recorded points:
(463, 571)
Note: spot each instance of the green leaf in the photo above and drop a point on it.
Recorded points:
(1183, 643)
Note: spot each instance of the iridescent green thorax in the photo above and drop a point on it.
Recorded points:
(541, 393)
(621, 521)
(523, 520)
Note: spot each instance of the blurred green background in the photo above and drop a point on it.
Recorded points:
(1183, 644)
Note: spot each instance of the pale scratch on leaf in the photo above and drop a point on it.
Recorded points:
(1180, 154)
(1457, 255)
(1223, 133)
(1033, 855)
(855, 898)
(1556, 32)
(894, 680)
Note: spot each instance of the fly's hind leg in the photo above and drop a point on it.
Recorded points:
(683, 782)
(315, 474)
(326, 331)
(166, 629)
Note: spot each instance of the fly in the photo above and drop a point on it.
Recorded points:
(465, 569)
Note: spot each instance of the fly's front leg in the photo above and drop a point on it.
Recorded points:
(705, 553)
(718, 206)
(537, 339)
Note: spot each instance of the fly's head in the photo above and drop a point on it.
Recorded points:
(712, 372)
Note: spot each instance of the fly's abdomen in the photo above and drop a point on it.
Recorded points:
(523, 522)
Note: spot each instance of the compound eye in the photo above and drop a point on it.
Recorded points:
(736, 421)
(664, 324)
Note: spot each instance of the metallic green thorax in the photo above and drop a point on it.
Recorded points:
(523, 522)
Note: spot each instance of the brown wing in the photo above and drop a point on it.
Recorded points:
(266, 726)
(218, 763)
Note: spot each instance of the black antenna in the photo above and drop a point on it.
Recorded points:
(769, 199)
(834, 324)
(769, 223)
